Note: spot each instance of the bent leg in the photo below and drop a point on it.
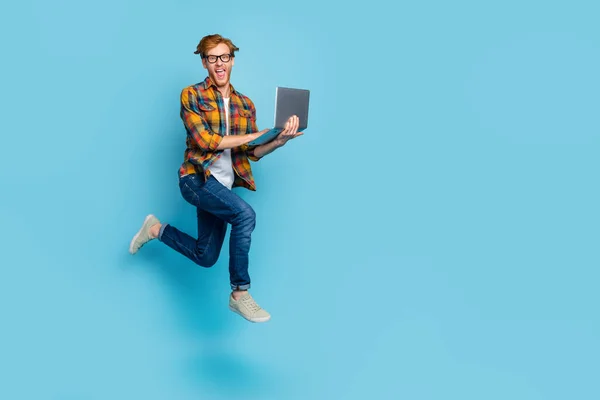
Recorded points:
(217, 206)
(204, 250)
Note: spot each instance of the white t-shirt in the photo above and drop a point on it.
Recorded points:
(222, 169)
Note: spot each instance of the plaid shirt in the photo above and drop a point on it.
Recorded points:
(203, 115)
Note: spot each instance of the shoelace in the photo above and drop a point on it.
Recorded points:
(251, 304)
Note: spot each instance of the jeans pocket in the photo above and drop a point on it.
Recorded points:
(190, 186)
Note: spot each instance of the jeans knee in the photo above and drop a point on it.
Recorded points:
(210, 261)
(206, 259)
(246, 219)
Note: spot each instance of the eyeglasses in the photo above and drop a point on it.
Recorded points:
(213, 59)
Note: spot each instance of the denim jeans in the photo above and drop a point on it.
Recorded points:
(216, 207)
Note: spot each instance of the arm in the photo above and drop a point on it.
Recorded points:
(229, 142)
(201, 132)
(290, 131)
(267, 148)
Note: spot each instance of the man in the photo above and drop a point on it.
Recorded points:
(220, 122)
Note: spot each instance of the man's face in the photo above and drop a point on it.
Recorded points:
(218, 70)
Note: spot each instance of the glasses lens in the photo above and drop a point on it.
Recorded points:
(212, 59)
(225, 57)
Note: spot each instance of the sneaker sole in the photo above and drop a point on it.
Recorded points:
(262, 319)
(137, 235)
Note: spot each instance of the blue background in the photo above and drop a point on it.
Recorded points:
(433, 235)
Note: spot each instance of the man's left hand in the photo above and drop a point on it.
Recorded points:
(289, 132)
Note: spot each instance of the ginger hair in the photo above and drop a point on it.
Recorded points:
(212, 41)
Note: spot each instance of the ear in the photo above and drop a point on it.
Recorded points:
(204, 63)
(232, 61)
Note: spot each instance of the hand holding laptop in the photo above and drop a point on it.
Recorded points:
(290, 131)
(288, 101)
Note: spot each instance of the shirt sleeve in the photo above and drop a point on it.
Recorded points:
(253, 128)
(195, 124)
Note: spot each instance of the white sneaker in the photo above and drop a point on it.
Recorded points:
(143, 235)
(247, 308)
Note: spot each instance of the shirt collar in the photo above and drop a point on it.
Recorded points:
(208, 83)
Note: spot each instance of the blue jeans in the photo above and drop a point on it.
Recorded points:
(216, 207)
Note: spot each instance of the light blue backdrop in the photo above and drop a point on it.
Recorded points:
(433, 235)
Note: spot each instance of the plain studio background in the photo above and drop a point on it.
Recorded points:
(433, 235)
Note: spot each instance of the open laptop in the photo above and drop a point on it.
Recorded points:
(288, 102)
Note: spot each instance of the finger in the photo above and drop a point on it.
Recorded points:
(292, 123)
(285, 129)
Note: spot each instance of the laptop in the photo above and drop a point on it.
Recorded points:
(288, 102)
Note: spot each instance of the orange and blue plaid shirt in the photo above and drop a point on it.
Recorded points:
(203, 115)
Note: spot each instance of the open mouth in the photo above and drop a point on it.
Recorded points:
(220, 73)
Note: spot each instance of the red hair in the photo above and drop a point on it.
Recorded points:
(212, 41)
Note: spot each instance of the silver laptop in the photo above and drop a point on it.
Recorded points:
(288, 102)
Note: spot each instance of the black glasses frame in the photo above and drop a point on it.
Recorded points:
(220, 57)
